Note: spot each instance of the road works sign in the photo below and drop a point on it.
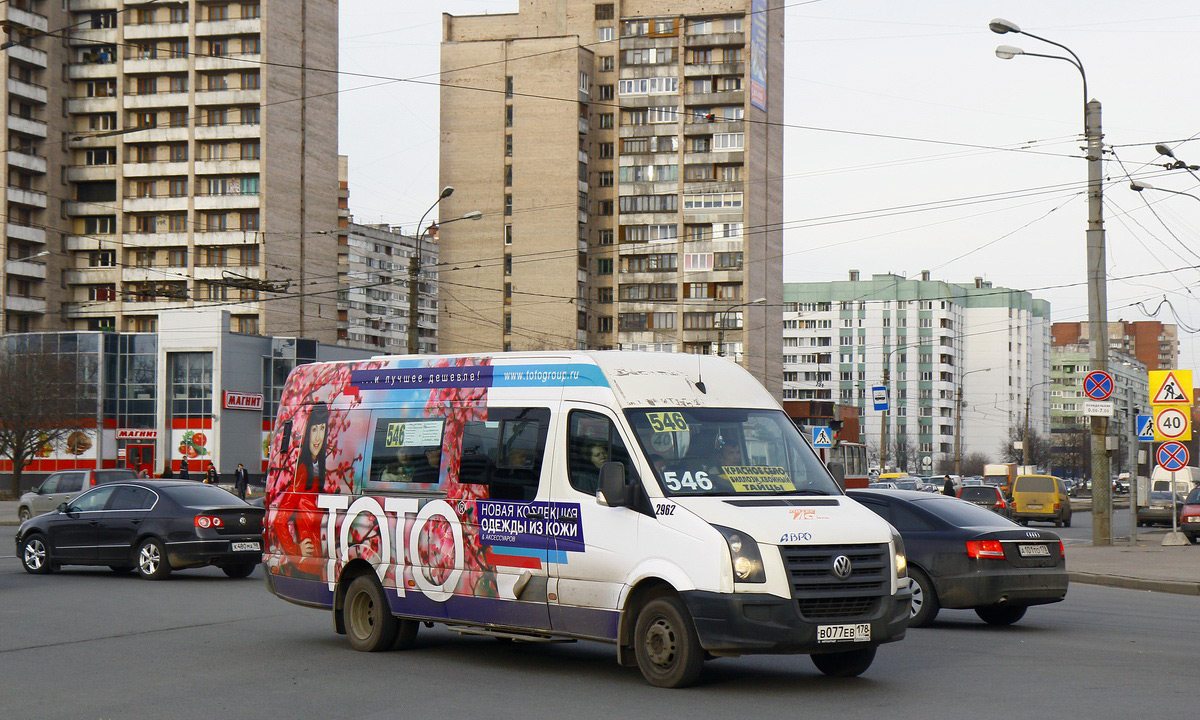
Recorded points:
(1172, 423)
(1170, 387)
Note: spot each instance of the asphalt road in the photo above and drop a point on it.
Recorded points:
(87, 644)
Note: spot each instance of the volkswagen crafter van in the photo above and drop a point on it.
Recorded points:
(662, 503)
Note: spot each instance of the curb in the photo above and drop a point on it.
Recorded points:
(1176, 587)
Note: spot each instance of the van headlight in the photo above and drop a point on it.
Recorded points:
(743, 553)
(901, 555)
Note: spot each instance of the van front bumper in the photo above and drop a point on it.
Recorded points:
(747, 623)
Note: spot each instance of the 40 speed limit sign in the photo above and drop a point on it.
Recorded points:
(1172, 423)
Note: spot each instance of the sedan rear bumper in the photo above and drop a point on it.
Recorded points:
(1014, 586)
(198, 553)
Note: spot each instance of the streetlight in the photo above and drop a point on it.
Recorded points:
(1025, 434)
(883, 429)
(414, 264)
(1096, 269)
(1139, 186)
(721, 322)
(958, 420)
(4, 290)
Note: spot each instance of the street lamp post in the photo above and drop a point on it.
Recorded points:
(1139, 186)
(4, 289)
(414, 266)
(721, 322)
(883, 429)
(958, 408)
(1096, 269)
(1025, 433)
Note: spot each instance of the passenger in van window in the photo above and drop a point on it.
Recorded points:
(403, 470)
(297, 525)
(730, 456)
(585, 470)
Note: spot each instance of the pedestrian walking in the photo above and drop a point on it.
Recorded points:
(948, 488)
(183, 473)
(210, 476)
(241, 481)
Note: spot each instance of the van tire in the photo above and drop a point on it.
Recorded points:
(666, 645)
(924, 606)
(850, 663)
(369, 622)
(1001, 614)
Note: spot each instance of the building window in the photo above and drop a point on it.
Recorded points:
(508, 204)
(605, 63)
(604, 92)
(251, 11)
(216, 12)
(249, 219)
(251, 116)
(604, 150)
(604, 237)
(508, 235)
(508, 146)
(604, 34)
(604, 11)
(604, 266)
(250, 81)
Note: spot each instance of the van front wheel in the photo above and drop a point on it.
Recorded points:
(666, 645)
(369, 622)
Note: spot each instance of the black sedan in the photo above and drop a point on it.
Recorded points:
(965, 557)
(153, 527)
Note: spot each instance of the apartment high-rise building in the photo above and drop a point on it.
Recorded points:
(960, 361)
(193, 164)
(1154, 343)
(627, 157)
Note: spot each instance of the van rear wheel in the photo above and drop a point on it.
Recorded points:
(666, 645)
(369, 622)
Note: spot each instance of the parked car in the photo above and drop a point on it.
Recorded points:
(1121, 485)
(63, 486)
(883, 485)
(1159, 507)
(151, 526)
(987, 497)
(1189, 515)
(964, 557)
(1041, 497)
(908, 484)
(972, 481)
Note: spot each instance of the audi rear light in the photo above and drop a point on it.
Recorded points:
(980, 549)
(207, 521)
(1062, 550)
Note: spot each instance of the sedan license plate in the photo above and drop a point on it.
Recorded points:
(240, 546)
(1033, 550)
(859, 632)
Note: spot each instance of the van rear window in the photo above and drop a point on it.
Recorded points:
(1034, 484)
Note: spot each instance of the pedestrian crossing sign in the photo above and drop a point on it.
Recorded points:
(1145, 428)
(822, 437)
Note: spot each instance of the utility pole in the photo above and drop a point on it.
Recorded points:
(1098, 322)
(958, 430)
(883, 429)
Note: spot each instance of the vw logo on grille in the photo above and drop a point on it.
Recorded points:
(242, 520)
(842, 567)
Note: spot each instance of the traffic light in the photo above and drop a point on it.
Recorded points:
(835, 429)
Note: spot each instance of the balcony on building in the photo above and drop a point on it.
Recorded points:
(226, 202)
(701, 70)
(29, 55)
(83, 37)
(227, 167)
(158, 203)
(89, 208)
(707, 128)
(136, 169)
(27, 125)
(149, 240)
(227, 132)
(229, 97)
(25, 18)
(29, 91)
(225, 237)
(91, 71)
(249, 26)
(24, 304)
(134, 101)
(221, 272)
(26, 161)
(726, 97)
(27, 233)
(89, 105)
(22, 196)
(93, 276)
(89, 173)
(143, 31)
(232, 61)
(27, 268)
(731, 39)
(90, 5)
(164, 64)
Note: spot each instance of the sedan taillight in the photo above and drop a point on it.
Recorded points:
(207, 521)
(985, 549)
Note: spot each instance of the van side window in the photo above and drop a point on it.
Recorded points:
(505, 452)
(592, 441)
(406, 454)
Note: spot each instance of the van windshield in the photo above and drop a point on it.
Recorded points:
(722, 451)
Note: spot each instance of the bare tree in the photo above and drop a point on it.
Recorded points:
(904, 454)
(43, 400)
(1040, 450)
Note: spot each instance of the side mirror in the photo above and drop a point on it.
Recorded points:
(613, 490)
(838, 471)
(62, 507)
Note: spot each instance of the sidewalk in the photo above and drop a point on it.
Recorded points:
(1145, 566)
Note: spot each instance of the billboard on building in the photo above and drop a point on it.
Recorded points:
(758, 54)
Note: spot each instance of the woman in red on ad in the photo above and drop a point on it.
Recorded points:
(297, 525)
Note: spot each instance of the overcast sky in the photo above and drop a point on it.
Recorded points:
(910, 146)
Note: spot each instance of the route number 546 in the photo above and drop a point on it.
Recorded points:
(687, 481)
